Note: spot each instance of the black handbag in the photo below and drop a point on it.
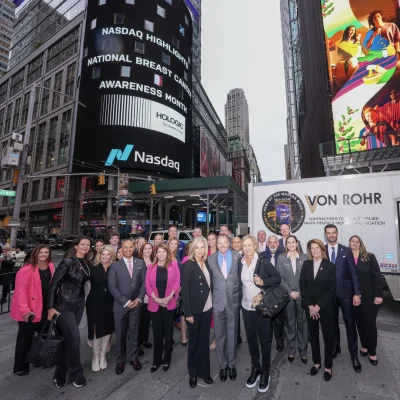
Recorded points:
(274, 299)
(47, 347)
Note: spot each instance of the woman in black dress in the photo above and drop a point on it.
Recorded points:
(99, 309)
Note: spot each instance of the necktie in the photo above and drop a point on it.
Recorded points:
(273, 259)
(130, 268)
(333, 256)
(224, 267)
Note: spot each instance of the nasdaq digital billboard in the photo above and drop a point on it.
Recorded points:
(363, 47)
(136, 82)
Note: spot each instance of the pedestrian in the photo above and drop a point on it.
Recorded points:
(224, 265)
(182, 323)
(66, 298)
(98, 246)
(159, 238)
(28, 305)
(212, 248)
(139, 244)
(173, 245)
(126, 281)
(114, 240)
(119, 253)
(162, 285)
(6, 273)
(99, 308)
(147, 255)
(289, 265)
(237, 245)
(317, 290)
(372, 291)
(197, 304)
(348, 293)
(173, 234)
(256, 273)
(197, 232)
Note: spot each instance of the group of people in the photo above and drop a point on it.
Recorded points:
(200, 285)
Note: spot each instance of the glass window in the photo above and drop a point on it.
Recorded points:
(158, 80)
(139, 47)
(125, 71)
(46, 188)
(148, 25)
(60, 184)
(161, 11)
(119, 18)
(93, 23)
(35, 191)
(130, 2)
(166, 58)
(182, 30)
(102, 2)
(96, 72)
(175, 42)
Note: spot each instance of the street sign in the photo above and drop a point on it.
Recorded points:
(14, 222)
(9, 193)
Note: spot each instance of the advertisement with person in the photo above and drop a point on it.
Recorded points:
(363, 47)
(210, 157)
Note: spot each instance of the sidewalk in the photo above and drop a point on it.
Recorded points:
(288, 381)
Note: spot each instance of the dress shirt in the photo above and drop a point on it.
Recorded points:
(293, 261)
(250, 290)
(126, 261)
(316, 267)
(228, 257)
(208, 304)
(262, 246)
(336, 247)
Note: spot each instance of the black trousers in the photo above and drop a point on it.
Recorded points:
(5, 291)
(257, 333)
(163, 330)
(327, 326)
(349, 320)
(69, 320)
(365, 315)
(198, 346)
(277, 328)
(144, 324)
(24, 343)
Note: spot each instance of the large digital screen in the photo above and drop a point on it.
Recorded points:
(136, 82)
(201, 217)
(363, 47)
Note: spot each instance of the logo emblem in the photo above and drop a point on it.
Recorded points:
(283, 208)
(117, 154)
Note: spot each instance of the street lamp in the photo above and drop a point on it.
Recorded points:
(117, 197)
(24, 155)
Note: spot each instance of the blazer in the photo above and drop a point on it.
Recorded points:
(173, 284)
(319, 290)
(282, 247)
(347, 281)
(195, 289)
(28, 293)
(124, 288)
(225, 291)
(267, 272)
(290, 281)
(370, 278)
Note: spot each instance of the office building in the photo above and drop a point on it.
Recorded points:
(255, 173)
(287, 162)
(240, 162)
(7, 15)
(237, 116)
(194, 7)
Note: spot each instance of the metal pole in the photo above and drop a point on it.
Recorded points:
(117, 200)
(24, 155)
(151, 214)
(208, 210)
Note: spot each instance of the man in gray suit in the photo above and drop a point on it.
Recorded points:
(126, 281)
(224, 266)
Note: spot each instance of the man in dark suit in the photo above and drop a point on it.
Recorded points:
(348, 292)
(277, 325)
(285, 232)
(126, 281)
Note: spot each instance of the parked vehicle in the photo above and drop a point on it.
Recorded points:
(367, 205)
(68, 242)
(30, 244)
(57, 240)
(184, 236)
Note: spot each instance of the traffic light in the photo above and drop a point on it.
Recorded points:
(153, 189)
(102, 179)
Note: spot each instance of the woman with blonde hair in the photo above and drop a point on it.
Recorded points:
(318, 291)
(99, 308)
(372, 291)
(197, 305)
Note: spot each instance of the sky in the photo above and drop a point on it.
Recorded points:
(242, 48)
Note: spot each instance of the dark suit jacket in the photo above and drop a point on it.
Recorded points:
(370, 278)
(282, 247)
(195, 289)
(267, 254)
(319, 290)
(347, 281)
(124, 288)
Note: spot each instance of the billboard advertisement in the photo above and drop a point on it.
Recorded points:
(212, 162)
(136, 82)
(363, 47)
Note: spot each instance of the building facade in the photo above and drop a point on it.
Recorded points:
(255, 173)
(240, 162)
(194, 7)
(287, 162)
(237, 116)
(309, 120)
(7, 16)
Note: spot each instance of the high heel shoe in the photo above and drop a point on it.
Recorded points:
(364, 354)
(373, 362)
(165, 367)
(154, 368)
(290, 358)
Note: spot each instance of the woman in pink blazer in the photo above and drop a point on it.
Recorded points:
(163, 281)
(28, 303)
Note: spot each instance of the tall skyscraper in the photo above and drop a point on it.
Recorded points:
(195, 10)
(237, 116)
(7, 14)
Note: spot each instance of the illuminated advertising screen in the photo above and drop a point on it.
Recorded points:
(136, 82)
(363, 46)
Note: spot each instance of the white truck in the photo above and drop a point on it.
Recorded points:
(367, 205)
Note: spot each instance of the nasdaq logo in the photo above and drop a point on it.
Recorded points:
(117, 154)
